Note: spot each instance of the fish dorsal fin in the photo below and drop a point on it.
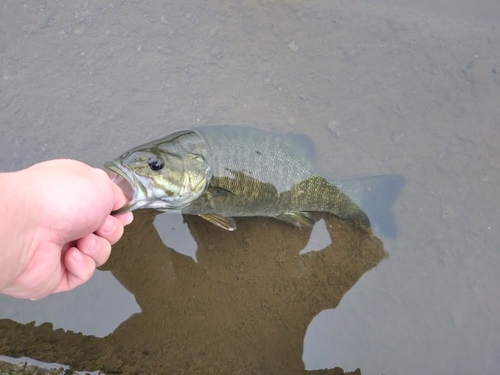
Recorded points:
(299, 219)
(226, 223)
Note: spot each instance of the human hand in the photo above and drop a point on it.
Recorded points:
(67, 230)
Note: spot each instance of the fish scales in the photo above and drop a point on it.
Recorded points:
(268, 174)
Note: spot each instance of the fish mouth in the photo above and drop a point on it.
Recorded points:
(126, 181)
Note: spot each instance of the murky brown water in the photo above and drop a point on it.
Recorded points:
(243, 307)
(379, 89)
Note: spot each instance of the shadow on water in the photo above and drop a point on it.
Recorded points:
(243, 307)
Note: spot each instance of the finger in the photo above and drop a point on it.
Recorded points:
(111, 230)
(120, 198)
(96, 247)
(125, 218)
(79, 269)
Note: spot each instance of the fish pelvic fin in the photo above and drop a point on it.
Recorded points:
(299, 219)
(227, 223)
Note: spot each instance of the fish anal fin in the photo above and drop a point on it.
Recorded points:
(299, 219)
(226, 223)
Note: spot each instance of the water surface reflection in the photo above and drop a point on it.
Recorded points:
(245, 306)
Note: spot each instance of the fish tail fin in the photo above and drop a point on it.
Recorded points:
(375, 196)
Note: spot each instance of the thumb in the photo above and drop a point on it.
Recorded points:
(120, 198)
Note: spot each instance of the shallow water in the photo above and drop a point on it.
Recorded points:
(379, 89)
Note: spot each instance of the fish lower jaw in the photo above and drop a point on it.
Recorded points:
(121, 178)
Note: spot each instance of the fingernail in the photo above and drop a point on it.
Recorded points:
(108, 226)
(92, 243)
(77, 256)
(129, 217)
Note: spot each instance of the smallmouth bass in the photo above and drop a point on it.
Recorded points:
(222, 172)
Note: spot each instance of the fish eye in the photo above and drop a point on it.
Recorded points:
(155, 164)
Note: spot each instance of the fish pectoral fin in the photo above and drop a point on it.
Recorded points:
(215, 191)
(226, 223)
(298, 219)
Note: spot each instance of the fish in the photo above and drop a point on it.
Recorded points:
(221, 172)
